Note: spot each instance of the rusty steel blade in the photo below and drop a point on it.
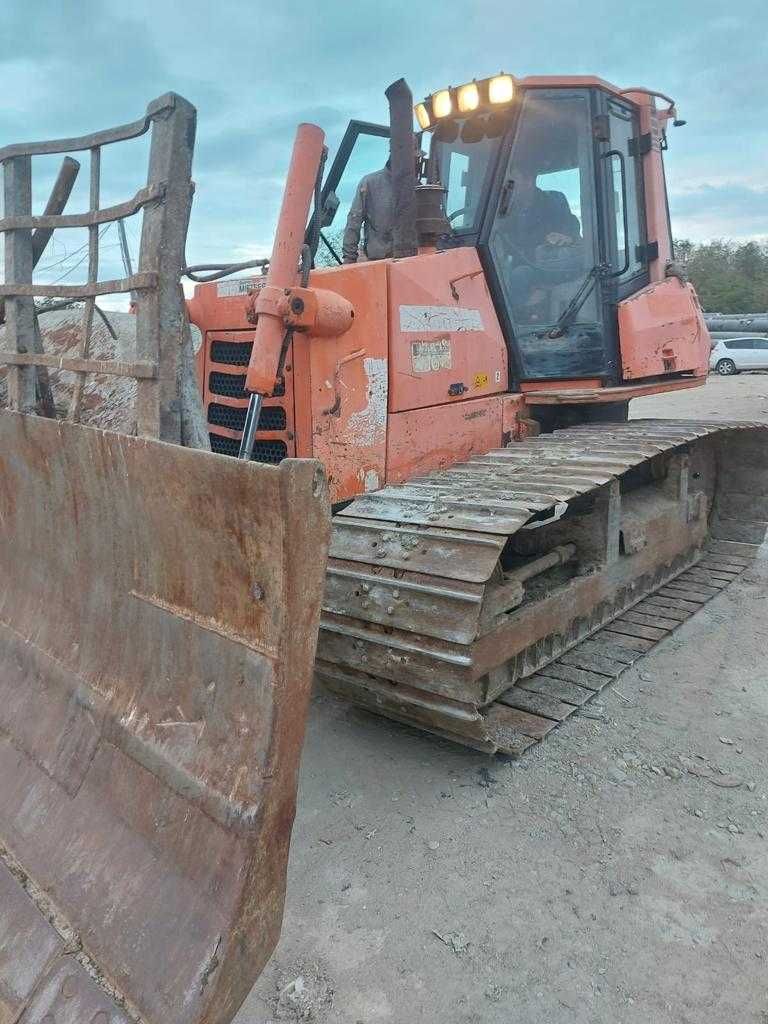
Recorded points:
(158, 617)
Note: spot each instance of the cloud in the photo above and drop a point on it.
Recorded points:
(72, 66)
(734, 210)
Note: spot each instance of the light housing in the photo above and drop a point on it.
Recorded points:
(442, 104)
(501, 89)
(422, 116)
(468, 97)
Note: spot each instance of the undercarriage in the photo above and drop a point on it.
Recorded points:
(460, 602)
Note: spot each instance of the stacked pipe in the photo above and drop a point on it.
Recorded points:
(737, 323)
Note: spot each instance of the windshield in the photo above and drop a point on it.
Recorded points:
(460, 160)
(542, 237)
(543, 241)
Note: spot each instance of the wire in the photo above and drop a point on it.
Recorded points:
(219, 270)
(103, 232)
(64, 258)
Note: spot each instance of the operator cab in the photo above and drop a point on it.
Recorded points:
(546, 182)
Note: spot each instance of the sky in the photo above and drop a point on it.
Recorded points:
(254, 71)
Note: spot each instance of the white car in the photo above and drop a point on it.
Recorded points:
(732, 355)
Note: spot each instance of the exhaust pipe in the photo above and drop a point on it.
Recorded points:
(402, 153)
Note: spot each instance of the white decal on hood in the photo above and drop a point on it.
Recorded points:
(439, 318)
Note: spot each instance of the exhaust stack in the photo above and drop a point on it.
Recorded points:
(403, 165)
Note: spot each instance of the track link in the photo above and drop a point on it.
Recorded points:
(487, 602)
(539, 703)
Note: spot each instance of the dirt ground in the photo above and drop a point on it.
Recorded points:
(596, 880)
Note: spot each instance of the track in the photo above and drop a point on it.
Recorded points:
(488, 601)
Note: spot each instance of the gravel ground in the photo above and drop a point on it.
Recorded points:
(597, 880)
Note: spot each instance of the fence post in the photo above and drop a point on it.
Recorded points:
(19, 310)
(160, 313)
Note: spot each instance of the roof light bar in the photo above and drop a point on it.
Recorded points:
(486, 94)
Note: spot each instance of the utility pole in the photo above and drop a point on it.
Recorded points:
(126, 254)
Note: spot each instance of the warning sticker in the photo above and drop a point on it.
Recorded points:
(428, 356)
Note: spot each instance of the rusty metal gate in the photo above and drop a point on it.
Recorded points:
(158, 618)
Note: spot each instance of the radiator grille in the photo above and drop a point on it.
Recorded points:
(231, 353)
(226, 416)
(272, 417)
(231, 385)
(263, 451)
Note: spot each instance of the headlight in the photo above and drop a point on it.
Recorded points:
(501, 89)
(422, 116)
(468, 98)
(441, 103)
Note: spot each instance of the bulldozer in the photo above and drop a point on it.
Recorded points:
(505, 540)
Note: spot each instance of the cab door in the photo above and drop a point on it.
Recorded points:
(542, 243)
(620, 157)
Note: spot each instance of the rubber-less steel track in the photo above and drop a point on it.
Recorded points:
(456, 602)
(541, 701)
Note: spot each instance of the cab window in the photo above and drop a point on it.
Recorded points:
(461, 153)
(542, 240)
(626, 178)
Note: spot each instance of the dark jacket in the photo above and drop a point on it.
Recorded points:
(542, 214)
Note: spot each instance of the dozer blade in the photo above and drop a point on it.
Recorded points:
(488, 601)
(158, 618)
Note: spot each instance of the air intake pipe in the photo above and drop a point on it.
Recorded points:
(402, 154)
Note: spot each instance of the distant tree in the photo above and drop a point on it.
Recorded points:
(728, 278)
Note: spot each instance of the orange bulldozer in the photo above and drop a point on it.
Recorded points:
(503, 539)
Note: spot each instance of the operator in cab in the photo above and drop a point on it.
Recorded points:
(543, 239)
(539, 217)
(372, 214)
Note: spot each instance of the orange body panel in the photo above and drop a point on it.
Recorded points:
(224, 305)
(559, 395)
(421, 440)
(445, 341)
(342, 383)
(374, 410)
(662, 330)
